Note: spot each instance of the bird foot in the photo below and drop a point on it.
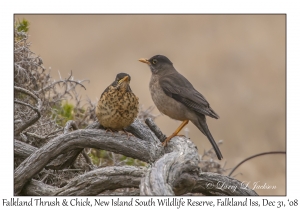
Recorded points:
(128, 134)
(165, 143)
(111, 131)
(169, 138)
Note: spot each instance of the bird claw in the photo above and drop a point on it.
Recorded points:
(165, 143)
(109, 130)
(128, 134)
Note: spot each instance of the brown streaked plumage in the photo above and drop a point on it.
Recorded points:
(176, 97)
(118, 106)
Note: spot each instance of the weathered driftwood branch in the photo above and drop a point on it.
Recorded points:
(92, 183)
(38, 188)
(62, 161)
(99, 180)
(206, 183)
(174, 173)
(131, 192)
(146, 150)
(22, 149)
(68, 158)
(71, 124)
(174, 170)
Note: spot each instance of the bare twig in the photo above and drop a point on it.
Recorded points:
(87, 158)
(27, 92)
(155, 129)
(27, 124)
(253, 156)
(30, 106)
(50, 135)
(70, 124)
(62, 82)
(37, 109)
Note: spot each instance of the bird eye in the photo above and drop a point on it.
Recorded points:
(154, 61)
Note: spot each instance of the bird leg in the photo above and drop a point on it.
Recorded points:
(184, 123)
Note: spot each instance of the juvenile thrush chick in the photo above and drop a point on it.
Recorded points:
(118, 106)
(176, 97)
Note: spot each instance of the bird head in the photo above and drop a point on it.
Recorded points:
(122, 81)
(159, 64)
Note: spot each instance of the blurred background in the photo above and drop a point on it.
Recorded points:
(236, 61)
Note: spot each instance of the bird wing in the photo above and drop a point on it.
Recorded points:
(179, 88)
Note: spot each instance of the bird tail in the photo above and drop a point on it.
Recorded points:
(202, 126)
(213, 114)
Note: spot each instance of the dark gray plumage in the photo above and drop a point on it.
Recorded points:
(176, 97)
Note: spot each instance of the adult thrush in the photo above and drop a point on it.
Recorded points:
(176, 97)
(118, 106)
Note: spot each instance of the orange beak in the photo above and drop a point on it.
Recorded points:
(144, 60)
(123, 80)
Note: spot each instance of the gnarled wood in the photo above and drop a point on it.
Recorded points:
(145, 150)
(22, 149)
(175, 172)
(38, 188)
(68, 158)
(174, 169)
(91, 183)
(99, 180)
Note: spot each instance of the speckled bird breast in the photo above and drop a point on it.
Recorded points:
(117, 109)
